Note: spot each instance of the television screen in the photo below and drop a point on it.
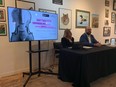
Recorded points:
(30, 25)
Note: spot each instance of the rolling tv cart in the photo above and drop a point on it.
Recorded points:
(39, 72)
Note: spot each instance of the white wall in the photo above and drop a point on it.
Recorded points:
(13, 56)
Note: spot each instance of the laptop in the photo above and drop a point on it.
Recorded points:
(77, 45)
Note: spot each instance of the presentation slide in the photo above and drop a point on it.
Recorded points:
(28, 25)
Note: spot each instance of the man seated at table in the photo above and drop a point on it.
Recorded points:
(87, 39)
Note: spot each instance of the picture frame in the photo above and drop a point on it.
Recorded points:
(3, 29)
(106, 31)
(65, 18)
(106, 22)
(114, 5)
(107, 41)
(2, 3)
(25, 4)
(47, 10)
(82, 18)
(95, 20)
(107, 3)
(59, 2)
(107, 13)
(112, 17)
(115, 29)
(2, 15)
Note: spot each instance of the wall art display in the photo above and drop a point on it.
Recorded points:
(107, 13)
(112, 17)
(106, 22)
(65, 16)
(114, 5)
(82, 18)
(25, 4)
(3, 30)
(107, 3)
(2, 15)
(95, 20)
(46, 10)
(107, 41)
(106, 31)
(114, 29)
(59, 2)
(2, 3)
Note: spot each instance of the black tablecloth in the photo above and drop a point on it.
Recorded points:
(86, 65)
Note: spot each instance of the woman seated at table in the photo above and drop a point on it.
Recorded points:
(67, 40)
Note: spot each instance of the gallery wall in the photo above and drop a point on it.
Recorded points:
(13, 56)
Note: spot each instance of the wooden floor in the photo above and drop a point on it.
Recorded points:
(51, 81)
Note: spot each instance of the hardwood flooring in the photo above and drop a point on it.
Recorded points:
(51, 81)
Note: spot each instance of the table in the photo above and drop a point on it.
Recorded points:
(83, 66)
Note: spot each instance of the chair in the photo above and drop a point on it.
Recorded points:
(57, 47)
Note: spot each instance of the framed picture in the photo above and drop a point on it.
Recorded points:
(59, 2)
(114, 5)
(106, 31)
(82, 18)
(47, 10)
(65, 18)
(95, 20)
(106, 22)
(3, 30)
(107, 41)
(112, 17)
(2, 15)
(107, 3)
(25, 4)
(107, 13)
(2, 3)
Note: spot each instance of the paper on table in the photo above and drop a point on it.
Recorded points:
(87, 47)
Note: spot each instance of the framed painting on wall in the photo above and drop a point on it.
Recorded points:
(112, 17)
(2, 3)
(65, 18)
(2, 15)
(95, 20)
(59, 2)
(107, 3)
(107, 13)
(82, 18)
(25, 4)
(106, 31)
(114, 5)
(3, 30)
(46, 10)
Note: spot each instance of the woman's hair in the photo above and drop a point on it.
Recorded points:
(67, 33)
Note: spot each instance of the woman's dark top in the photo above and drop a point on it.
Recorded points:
(66, 43)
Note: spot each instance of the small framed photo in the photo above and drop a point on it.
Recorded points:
(59, 2)
(2, 15)
(2, 3)
(82, 18)
(95, 20)
(106, 31)
(107, 3)
(3, 30)
(107, 13)
(25, 4)
(107, 41)
(112, 17)
(115, 29)
(65, 18)
(106, 22)
(114, 5)
(47, 10)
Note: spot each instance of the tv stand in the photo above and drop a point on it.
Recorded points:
(39, 72)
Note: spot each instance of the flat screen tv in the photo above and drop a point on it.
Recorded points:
(30, 25)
